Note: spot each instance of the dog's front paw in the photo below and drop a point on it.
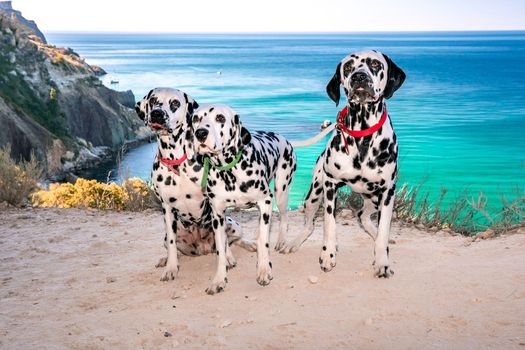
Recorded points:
(264, 274)
(382, 266)
(162, 262)
(170, 272)
(383, 271)
(327, 258)
(216, 286)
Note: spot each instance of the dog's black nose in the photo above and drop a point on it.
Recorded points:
(157, 116)
(201, 134)
(359, 77)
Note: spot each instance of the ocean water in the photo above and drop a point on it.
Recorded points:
(459, 117)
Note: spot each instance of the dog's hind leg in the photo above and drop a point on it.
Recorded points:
(364, 216)
(162, 261)
(282, 182)
(311, 206)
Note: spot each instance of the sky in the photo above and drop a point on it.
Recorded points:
(216, 16)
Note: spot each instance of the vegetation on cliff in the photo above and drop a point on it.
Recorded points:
(52, 103)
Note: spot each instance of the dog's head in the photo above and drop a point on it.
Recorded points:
(366, 77)
(166, 109)
(217, 128)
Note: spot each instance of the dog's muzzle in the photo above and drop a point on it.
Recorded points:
(361, 86)
(156, 117)
(201, 134)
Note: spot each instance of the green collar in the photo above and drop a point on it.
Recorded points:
(208, 162)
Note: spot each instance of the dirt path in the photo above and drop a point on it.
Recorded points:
(86, 280)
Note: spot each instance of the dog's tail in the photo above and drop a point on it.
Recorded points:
(315, 139)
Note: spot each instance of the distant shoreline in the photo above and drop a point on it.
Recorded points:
(62, 32)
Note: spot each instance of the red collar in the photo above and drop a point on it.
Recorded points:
(358, 133)
(172, 163)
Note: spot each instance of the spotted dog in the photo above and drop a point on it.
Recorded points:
(241, 167)
(176, 179)
(362, 153)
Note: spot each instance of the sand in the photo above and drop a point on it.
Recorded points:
(81, 279)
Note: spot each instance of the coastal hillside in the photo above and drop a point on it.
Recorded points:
(52, 102)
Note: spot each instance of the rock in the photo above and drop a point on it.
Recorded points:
(28, 26)
(226, 323)
(313, 279)
(111, 279)
(483, 235)
(167, 334)
(98, 71)
(69, 155)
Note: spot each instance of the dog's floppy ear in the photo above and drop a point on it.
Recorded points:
(395, 78)
(139, 111)
(246, 137)
(333, 87)
(189, 146)
(191, 106)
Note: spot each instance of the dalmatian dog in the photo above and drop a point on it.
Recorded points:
(241, 166)
(362, 154)
(176, 179)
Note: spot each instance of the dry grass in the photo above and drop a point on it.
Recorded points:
(17, 179)
(464, 214)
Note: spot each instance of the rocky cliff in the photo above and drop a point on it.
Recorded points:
(53, 105)
(7, 8)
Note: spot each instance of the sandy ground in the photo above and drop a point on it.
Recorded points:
(75, 279)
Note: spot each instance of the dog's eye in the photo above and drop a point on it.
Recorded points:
(347, 69)
(375, 64)
(220, 118)
(174, 105)
(195, 119)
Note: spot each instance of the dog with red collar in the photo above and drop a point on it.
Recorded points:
(176, 178)
(361, 154)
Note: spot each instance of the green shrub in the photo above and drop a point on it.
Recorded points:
(19, 95)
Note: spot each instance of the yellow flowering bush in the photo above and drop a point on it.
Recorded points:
(134, 194)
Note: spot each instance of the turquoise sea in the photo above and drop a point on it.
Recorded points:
(460, 116)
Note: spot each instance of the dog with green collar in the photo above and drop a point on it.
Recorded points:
(238, 168)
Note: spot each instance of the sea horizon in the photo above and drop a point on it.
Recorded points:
(287, 33)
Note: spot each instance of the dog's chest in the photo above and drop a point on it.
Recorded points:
(371, 163)
(181, 191)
